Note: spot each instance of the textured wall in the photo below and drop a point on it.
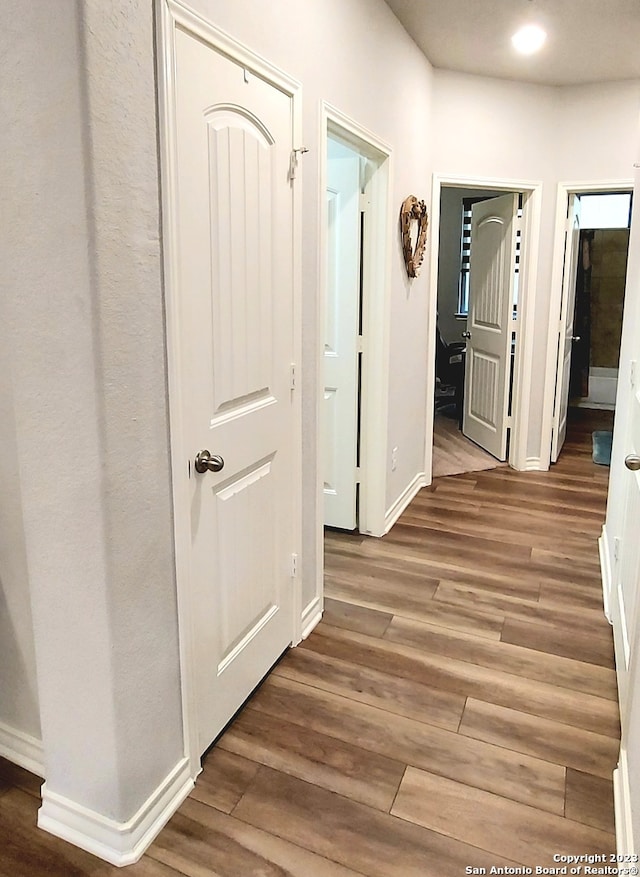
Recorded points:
(18, 680)
(84, 325)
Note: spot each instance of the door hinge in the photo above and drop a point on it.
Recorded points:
(365, 202)
(292, 376)
(294, 566)
(632, 372)
(359, 344)
(358, 475)
(616, 548)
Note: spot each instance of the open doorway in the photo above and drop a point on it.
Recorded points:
(522, 359)
(479, 260)
(600, 288)
(595, 246)
(354, 325)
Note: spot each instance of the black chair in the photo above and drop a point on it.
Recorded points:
(450, 360)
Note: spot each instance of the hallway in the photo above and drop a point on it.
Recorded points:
(455, 708)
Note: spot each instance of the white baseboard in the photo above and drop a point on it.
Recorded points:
(622, 806)
(534, 464)
(120, 843)
(605, 572)
(392, 515)
(22, 749)
(311, 616)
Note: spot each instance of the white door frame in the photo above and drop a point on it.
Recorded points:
(555, 303)
(377, 297)
(523, 371)
(171, 14)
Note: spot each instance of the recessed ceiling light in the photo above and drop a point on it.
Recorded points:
(529, 39)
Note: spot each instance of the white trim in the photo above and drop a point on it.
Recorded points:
(534, 464)
(605, 572)
(397, 508)
(376, 318)
(312, 615)
(120, 843)
(523, 370)
(555, 301)
(172, 14)
(22, 749)
(622, 807)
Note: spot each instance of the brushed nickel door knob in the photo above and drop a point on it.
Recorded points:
(207, 462)
(632, 461)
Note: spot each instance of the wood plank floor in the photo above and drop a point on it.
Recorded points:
(453, 453)
(455, 708)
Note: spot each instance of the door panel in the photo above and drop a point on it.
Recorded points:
(340, 409)
(566, 327)
(488, 357)
(235, 267)
(629, 576)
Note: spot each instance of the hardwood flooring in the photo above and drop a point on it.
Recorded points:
(453, 453)
(455, 708)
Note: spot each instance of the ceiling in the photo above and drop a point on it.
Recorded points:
(588, 40)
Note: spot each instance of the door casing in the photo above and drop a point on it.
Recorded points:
(523, 371)
(564, 191)
(376, 259)
(171, 14)
(339, 452)
(490, 321)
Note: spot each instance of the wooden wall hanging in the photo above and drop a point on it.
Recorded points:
(412, 211)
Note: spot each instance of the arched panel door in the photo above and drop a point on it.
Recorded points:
(488, 357)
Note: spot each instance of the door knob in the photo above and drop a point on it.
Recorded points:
(466, 334)
(575, 338)
(632, 461)
(208, 462)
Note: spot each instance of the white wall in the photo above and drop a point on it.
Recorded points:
(83, 308)
(19, 712)
(355, 55)
(489, 128)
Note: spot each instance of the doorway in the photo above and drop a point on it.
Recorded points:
(600, 289)
(355, 246)
(592, 236)
(495, 397)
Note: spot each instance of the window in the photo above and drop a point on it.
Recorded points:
(465, 256)
(605, 211)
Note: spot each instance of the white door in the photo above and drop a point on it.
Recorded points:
(340, 409)
(566, 326)
(488, 357)
(629, 548)
(233, 132)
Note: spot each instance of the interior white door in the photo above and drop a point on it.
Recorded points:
(340, 408)
(566, 326)
(625, 614)
(488, 356)
(233, 133)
